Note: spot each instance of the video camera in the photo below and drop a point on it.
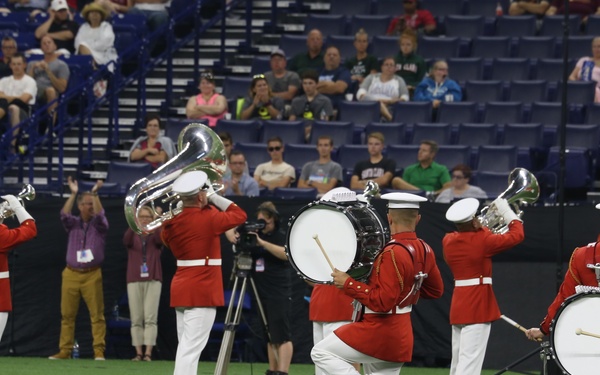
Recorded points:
(247, 241)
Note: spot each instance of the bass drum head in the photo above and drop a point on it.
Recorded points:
(577, 354)
(337, 235)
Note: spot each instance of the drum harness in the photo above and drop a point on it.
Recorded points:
(420, 276)
(590, 260)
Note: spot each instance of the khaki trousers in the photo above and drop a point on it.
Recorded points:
(144, 298)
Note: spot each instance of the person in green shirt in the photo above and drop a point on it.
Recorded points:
(312, 58)
(410, 66)
(426, 174)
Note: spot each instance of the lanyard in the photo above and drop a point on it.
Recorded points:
(144, 239)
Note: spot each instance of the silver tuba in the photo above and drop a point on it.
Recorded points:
(523, 188)
(200, 149)
(28, 193)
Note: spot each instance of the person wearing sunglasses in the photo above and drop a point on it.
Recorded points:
(261, 104)
(275, 173)
(420, 20)
(208, 104)
(460, 187)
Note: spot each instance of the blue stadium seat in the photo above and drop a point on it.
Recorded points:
(464, 26)
(288, 131)
(441, 133)
(342, 132)
(6, 26)
(452, 155)
(549, 69)
(496, 158)
(516, 26)
(578, 46)
(553, 25)
(592, 26)
(403, 155)
(344, 43)
(486, 8)
(547, 113)
(490, 47)
(373, 25)
(503, 112)
(578, 92)
(443, 7)
(138, 21)
(493, 183)
(327, 24)
(125, 174)
(484, 91)
(349, 155)
(295, 193)
(536, 47)
(457, 112)
(394, 133)
(20, 20)
(438, 48)
(388, 7)
(236, 87)
(510, 69)
(299, 154)
(465, 68)
(26, 40)
(360, 113)
(260, 65)
(384, 46)
(592, 114)
(81, 67)
(578, 168)
(529, 139)
(255, 153)
(245, 131)
(412, 112)
(477, 134)
(584, 136)
(292, 44)
(527, 91)
(349, 8)
(175, 126)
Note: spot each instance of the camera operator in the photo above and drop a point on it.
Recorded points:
(272, 276)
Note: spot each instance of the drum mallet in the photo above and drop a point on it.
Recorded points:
(515, 324)
(316, 238)
(579, 331)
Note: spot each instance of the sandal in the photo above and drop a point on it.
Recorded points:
(137, 358)
(148, 358)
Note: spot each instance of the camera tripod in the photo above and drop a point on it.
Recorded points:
(241, 270)
(545, 356)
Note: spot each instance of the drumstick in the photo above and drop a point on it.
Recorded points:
(513, 323)
(316, 238)
(579, 331)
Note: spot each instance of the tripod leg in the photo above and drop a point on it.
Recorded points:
(264, 319)
(230, 327)
(522, 359)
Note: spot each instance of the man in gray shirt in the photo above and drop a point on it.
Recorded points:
(312, 105)
(284, 83)
(239, 182)
(323, 174)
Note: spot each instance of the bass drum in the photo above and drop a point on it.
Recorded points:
(577, 354)
(351, 234)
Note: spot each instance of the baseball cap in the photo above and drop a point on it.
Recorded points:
(59, 5)
(278, 52)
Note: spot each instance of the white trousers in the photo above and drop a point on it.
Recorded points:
(3, 320)
(468, 348)
(144, 297)
(333, 356)
(322, 330)
(193, 328)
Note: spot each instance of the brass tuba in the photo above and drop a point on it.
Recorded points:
(523, 188)
(200, 149)
(28, 193)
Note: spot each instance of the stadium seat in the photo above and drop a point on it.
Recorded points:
(443, 7)
(452, 155)
(138, 21)
(245, 131)
(593, 25)
(384, 46)
(553, 25)
(295, 193)
(350, 8)
(527, 91)
(441, 133)
(237, 87)
(260, 65)
(299, 154)
(288, 131)
(484, 91)
(578, 169)
(26, 40)
(388, 7)
(175, 126)
(438, 48)
(373, 25)
(496, 158)
(344, 43)
(592, 115)
(547, 113)
(536, 47)
(292, 44)
(510, 69)
(477, 134)
(516, 26)
(493, 183)
(583, 136)
(342, 132)
(255, 153)
(490, 47)
(349, 155)
(502, 112)
(20, 20)
(486, 8)
(360, 113)
(457, 112)
(463, 69)
(549, 69)
(464, 26)
(529, 140)
(578, 92)
(394, 133)
(412, 112)
(327, 24)
(124, 174)
(403, 155)
(579, 46)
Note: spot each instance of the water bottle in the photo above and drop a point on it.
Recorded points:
(75, 352)
(115, 311)
(323, 116)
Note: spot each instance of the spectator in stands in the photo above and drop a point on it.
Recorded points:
(284, 84)
(410, 66)
(59, 26)
(96, 37)
(386, 88)
(437, 87)
(420, 20)
(208, 104)
(152, 148)
(588, 68)
(459, 187)
(584, 8)
(239, 181)
(9, 48)
(228, 146)
(261, 104)
(116, 6)
(537, 7)
(362, 64)
(17, 94)
(323, 174)
(425, 174)
(275, 173)
(51, 75)
(377, 168)
(155, 12)
(313, 57)
(311, 105)
(334, 79)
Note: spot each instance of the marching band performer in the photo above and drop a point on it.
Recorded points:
(382, 339)
(9, 238)
(197, 287)
(468, 252)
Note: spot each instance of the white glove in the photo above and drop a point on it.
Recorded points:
(505, 211)
(17, 208)
(220, 202)
(210, 190)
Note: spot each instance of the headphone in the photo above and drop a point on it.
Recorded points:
(266, 208)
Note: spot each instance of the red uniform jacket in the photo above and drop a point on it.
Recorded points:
(577, 274)
(329, 304)
(469, 255)
(10, 238)
(192, 235)
(389, 337)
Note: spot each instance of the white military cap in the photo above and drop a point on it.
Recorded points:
(462, 211)
(598, 206)
(189, 183)
(403, 200)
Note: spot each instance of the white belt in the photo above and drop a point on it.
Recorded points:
(198, 262)
(475, 281)
(4, 275)
(399, 310)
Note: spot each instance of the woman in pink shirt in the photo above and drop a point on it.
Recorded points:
(208, 104)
